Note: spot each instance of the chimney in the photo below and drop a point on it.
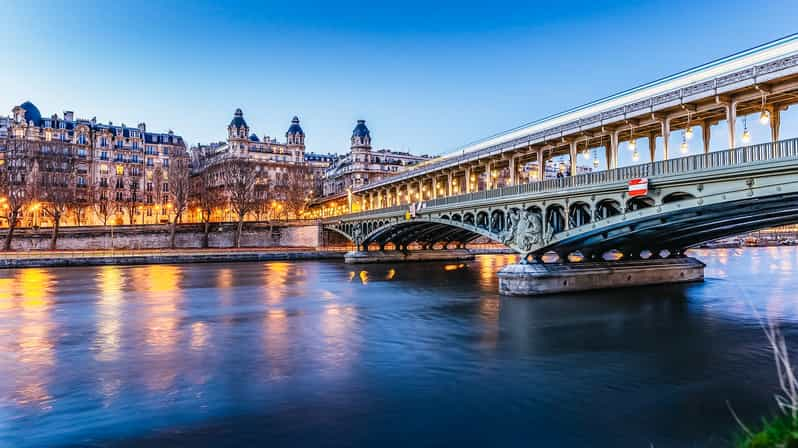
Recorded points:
(142, 127)
(69, 115)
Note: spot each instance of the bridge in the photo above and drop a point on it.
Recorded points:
(591, 217)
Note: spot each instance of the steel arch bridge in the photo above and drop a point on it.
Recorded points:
(689, 200)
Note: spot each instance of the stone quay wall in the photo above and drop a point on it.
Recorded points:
(256, 235)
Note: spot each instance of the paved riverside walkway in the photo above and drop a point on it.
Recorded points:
(15, 259)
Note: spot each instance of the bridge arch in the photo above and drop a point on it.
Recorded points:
(677, 196)
(639, 202)
(607, 208)
(482, 220)
(556, 217)
(579, 213)
(498, 221)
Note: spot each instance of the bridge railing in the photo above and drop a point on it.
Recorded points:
(783, 149)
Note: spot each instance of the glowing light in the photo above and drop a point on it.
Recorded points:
(632, 144)
(746, 134)
(764, 117)
(688, 133)
(684, 148)
(635, 156)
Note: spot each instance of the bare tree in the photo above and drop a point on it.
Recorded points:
(205, 195)
(17, 182)
(179, 187)
(130, 200)
(103, 202)
(157, 193)
(240, 178)
(56, 178)
(295, 189)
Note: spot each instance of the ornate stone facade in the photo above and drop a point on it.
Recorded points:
(362, 165)
(127, 163)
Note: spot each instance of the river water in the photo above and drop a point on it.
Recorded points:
(323, 354)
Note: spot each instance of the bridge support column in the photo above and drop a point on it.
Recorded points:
(449, 183)
(666, 137)
(572, 152)
(652, 146)
(513, 171)
(731, 120)
(534, 279)
(612, 151)
(468, 180)
(775, 122)
(541, 165)
(706, 134)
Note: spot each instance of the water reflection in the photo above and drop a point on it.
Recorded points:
(109, 324)
(256, 352)
(35, 344)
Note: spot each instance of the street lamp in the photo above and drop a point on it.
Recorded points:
(764, 116)
(746, 134)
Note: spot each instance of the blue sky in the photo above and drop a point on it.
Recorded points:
(427, 76)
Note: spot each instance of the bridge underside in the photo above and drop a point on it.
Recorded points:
(424, 233)
(673, 231)
(681, 229)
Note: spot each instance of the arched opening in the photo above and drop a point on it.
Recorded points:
(579, 214)
(677, 196)
(497, 221)
(482, 220)
(456, 217)
(639, 203)
(607, 208)
(444, 216)
(468, 219)
(555, 218)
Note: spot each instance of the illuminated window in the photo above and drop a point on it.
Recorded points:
(120, 170)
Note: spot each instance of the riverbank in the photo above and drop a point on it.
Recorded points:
(162, 256)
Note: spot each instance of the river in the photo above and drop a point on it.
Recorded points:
(324, 354)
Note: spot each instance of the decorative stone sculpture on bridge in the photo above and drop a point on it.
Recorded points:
(525, 231)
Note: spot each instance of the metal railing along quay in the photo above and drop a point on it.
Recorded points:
(741, 156)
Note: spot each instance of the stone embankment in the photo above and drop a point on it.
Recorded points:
(187, 236)
(139, 257)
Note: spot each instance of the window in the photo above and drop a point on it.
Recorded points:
(166, 163)
(166, 187)
(149, 162)
(120, 170)
(81, 181)
(82, 139)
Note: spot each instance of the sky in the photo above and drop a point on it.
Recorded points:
(428, 77)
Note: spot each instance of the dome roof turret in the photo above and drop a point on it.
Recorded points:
(238, 120)
(295, 129)
(31, 113)
(254, 138)
(361, 130)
